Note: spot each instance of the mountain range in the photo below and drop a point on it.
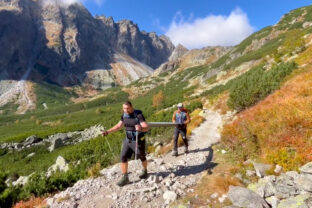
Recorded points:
(66, 45)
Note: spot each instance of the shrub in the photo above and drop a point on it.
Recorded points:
(257, 84)
(278, 129)
(194, 105)
(158, 99)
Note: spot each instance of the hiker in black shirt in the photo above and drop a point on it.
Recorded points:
(132, 120)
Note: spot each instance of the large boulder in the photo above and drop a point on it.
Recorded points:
(243, 197)
(285, 187)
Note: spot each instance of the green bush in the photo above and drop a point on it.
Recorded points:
(257, 84)
(193, 105)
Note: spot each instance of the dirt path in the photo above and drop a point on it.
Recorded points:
(170, 177)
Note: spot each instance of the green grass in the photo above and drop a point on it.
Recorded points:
(52, 95)
(9, 108)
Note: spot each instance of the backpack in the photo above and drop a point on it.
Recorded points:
(132, 134)
(180, 117)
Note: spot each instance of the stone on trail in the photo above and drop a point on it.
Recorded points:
(169, 196)
(243, 197)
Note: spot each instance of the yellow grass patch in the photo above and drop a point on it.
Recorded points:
(94, 171)
(52, 123)
(221, 103)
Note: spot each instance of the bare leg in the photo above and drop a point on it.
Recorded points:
(124, 167)
(144, 164)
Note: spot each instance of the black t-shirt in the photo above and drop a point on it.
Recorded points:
(130, 120)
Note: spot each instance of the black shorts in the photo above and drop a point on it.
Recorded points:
(128, 148)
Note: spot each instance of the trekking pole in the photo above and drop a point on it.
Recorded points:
(109, 147)
(136, 144)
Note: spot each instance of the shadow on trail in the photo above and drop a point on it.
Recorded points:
(207, 165)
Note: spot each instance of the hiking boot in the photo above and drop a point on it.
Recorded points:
(186, 150)
(143, 175)
(174, 153)
(124, 180)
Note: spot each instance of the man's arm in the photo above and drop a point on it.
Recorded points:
(188, 119)
(144, 127)
(174, 117)
(117, 127)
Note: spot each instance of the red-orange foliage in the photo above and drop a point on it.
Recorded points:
(158, 99)
(283, 121)
(32, 202)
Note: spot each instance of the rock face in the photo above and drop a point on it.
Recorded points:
(183, 58)
(63, 42)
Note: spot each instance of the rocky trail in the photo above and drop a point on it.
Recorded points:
(169, 177)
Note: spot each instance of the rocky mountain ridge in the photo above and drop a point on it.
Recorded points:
(69, 42)
(48, 41)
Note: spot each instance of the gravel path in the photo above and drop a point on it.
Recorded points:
(169, 177)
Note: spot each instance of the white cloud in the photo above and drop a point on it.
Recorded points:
(212, 30)
(69, 2)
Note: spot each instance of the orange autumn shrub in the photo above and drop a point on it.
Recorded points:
(277, 129)
(31, 203)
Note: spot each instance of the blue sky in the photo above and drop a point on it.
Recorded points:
(184, 16)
